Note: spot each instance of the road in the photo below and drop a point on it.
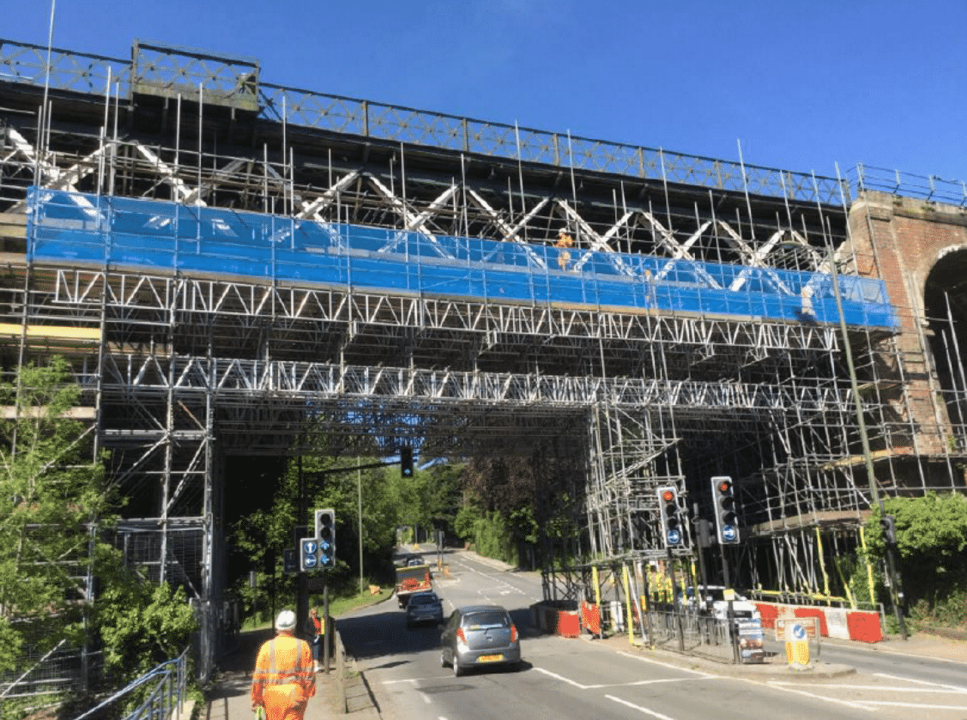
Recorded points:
(563, 678)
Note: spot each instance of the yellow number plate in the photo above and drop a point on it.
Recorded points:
(490, 658)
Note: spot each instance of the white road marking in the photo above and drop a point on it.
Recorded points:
(919, 706)
(635, 683)
(953, 688)
(667, 665)
(778, 686)
(572, 683)
(879, 688)
(644, 710)
(411, 681)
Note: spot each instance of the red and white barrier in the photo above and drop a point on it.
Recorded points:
(841, 623)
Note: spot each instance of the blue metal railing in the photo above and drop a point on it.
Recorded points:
(165, 690)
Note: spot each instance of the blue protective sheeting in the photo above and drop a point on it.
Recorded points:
(149, 234)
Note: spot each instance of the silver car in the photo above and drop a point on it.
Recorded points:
(479, 635)
(424, 607)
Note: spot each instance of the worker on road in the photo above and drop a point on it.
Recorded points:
(284, 679)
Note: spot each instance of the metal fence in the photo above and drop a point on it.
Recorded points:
(698, 634)
(47, 679)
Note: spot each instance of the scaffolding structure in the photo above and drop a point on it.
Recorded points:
(692, 330)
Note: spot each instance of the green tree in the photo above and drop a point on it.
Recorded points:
(53, 501)
(142, 624)
(431, 497)
(931, 540)
(328, 483)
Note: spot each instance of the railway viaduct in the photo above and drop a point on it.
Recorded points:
(226, 261)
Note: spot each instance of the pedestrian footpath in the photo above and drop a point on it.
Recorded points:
(229, 697)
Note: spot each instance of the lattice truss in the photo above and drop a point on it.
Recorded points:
(186, 361)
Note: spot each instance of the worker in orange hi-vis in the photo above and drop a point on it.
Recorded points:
(564, 241)
(284, 678)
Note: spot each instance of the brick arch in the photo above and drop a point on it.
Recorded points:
(911, 245)
(945, 312)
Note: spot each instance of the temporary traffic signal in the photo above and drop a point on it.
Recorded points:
(326, 534)
(726, 517)
(406, 462)
(672, 522)
(888, 523)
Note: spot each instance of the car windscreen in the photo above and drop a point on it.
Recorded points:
(487, 618)
(422, 600)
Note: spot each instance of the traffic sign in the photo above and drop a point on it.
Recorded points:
(308, 553)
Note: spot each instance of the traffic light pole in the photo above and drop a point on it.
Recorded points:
(302, 594)
(730, 613)
(327, 631)
(677, 609)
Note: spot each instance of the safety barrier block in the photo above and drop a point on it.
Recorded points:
(864, 626)
(819, 613)
(591, 616)
(769, 613)
(557, 621)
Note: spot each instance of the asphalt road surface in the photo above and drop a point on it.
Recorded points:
(561, 678)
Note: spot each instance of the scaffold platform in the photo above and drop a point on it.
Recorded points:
(166, 236)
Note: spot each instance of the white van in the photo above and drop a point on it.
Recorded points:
(742, 608)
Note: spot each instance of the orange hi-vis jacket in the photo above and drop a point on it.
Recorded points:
(284, 679)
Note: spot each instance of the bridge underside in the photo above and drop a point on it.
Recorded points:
(187, 368)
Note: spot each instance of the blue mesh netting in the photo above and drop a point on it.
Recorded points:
(81, 228)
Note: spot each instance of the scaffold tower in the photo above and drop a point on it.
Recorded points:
(225, 261)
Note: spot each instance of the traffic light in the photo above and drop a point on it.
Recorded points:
(326, 534)
(672, 522)
(308, 554)
(406, 462)
(888, 523)
(726, 518)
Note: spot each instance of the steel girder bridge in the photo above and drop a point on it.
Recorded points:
(227, 261)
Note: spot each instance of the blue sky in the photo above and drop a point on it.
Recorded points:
(802, 86)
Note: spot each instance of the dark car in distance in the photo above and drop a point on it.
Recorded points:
(424, 607)
(477, 636)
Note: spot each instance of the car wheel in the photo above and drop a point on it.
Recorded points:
(457, 672)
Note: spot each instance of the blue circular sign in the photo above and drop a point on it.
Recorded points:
(729, 533)
(798, 632)
(674, 537)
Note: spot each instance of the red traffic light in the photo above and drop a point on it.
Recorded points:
(725, 486)
(668, 495)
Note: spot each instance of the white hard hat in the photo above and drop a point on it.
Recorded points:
(285, 621)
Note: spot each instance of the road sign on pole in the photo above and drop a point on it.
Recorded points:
(308, 554)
